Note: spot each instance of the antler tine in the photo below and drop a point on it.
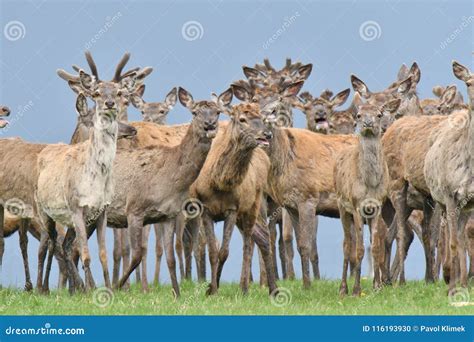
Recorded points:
(76, 68)
(306, 96)
(120, 66)
(288, 64)
(67, 76)
(268, 65)
(92, 65)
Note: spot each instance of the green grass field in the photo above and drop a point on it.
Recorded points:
(415, 298)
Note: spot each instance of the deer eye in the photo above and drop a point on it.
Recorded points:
(119, 93)
(243, 120)
(358, 116)
(380, 115)
(96, 94)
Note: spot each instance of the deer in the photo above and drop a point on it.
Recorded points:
(231, 188)
(155, 112)
(447, 102)
(152, 183)
(319, 111)
(75, 183)
(361, 183)
(448, 170)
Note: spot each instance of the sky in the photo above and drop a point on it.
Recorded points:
(202, 46)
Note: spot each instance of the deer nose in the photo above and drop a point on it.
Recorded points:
(5, 111)
(368, 123)
(210, 124)
(268, 135)
(110, 104)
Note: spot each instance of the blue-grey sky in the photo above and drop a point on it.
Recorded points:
(202, 45)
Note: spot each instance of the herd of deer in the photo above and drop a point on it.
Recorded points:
(401, 165)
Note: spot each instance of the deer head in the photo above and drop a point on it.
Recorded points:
(369, 117)
(4, 112)
(444, 105)
(154, 111)
(205, 113)
(319, 110)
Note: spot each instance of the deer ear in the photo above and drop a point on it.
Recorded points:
(340, 98)
(129, 82)
(81, 104)
(292, 89)
(241, 93)
(391, 106)
(405, 86)
(416, 73)
(448, 95)
(360, 87)
(171, 98)
(403, 72)
(76, 87)
(87, 81)
(185, 98)
(136, 97)
(225, 98)
(461, 72)
(252, 73)
(304, 71)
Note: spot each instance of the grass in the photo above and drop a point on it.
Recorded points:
(415, 298)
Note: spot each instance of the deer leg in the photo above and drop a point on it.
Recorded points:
(314, 256)
(359, 236)
(101, 227)
(188, 243)
(452, 218)
(158, 251)
(378, 231)
(470, 244)
(229, 225)
(201, 255)
(75, 280)
(48, 267)
(352, 254)
(213, 257)
(426, 240)
(125, 255)
(135, 226)
(180, 224)
(168, 234)
(462, 247)
(399, 201)
(261, 236)
(246, 261)
(81, 234)
(145, 238)
(288, 242)
(282, 252)
(272, 223)
(117, 256)
(347, 225)
(306, 222)
(42, 250)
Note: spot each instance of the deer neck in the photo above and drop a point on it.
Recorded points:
(234, 160)
(280, 152)
(192, 153)
(102, 148)
(371, 162)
